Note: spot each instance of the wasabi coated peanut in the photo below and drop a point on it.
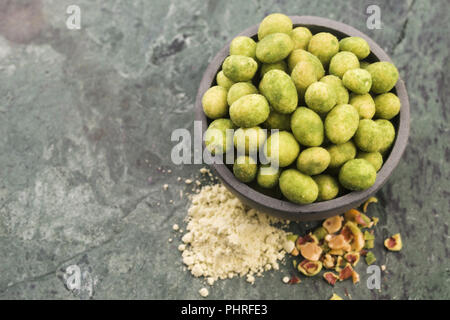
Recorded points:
(341, 123)
(357, 174)
(364, 104)
(301, 37)
(240, 89)
(214, 102)
(313, 161)
(298, 187)
(332, 80)
(245, 169)
(276, 120)
(249, 140)
(387, 106)
(388, 134)
(279, 89)
(223, 81)
(307, 127)
(274, 23)
(302, 55)
(342, 95)
(217, 139)
(341, 153)
(239, 68)
(369, 136)
(328, 187)
(357, 80)
(320, 97)
(375, 158)
(243, 46)
(356, 45)
(274, 47)
(267, 176)
(343, 61)
(249, 110)
(266, 67)
(303, 75)
(281, 148)
(323, 45)
(384, 76)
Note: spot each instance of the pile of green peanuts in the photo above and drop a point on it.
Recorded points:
(334, 127)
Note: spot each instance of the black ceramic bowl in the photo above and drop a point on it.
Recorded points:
(318, 210)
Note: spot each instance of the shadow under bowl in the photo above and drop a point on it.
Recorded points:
(318, 210)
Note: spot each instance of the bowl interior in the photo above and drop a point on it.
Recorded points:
(272, 202)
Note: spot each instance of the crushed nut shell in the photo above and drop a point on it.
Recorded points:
(370, 200)
(333, 224)
(311, 251)
(394, 243)
(328, 261)
(352, 258)
(309, 268)
(337, 242)
(330, 277)
(355, 277)
(346, 272)
(335, 297)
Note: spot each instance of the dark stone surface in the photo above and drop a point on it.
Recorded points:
(86, 117)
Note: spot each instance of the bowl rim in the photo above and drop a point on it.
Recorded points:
(316, 210)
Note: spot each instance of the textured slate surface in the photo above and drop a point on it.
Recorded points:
(85, 123)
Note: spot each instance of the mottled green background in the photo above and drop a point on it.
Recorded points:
(85, 122)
